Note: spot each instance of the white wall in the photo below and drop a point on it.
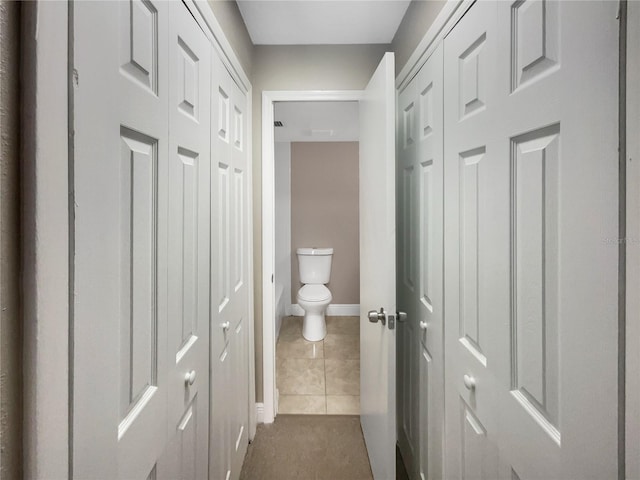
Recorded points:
(283, 231)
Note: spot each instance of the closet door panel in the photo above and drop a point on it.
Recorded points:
(189, 230)
(474, 187)
(230, 317)
(420, 275)
(531, 192)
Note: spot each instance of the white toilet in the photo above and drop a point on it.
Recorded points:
(314, 265)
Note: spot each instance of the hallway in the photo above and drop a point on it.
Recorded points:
(309, 447)
(491, 328)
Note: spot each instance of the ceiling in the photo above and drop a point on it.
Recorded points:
(322, 22)
(317, 121)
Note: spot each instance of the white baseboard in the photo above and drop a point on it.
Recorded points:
(338, 310)
(344, 310)
(259, 412)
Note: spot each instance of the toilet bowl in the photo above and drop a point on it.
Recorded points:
(314, 299)
(314, 266)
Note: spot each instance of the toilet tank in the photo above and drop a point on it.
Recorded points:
(314, 265)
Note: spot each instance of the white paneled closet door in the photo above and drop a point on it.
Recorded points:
(476, 198)
(531, 282)
(188, 248)
(120, 173)
(160, 246)
(420, 288)
(230, 316)
(408, 342)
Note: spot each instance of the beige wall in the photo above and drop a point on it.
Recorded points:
(419, 17)
(325, 212)
(229, 18)
(297, 67)
(11, 315)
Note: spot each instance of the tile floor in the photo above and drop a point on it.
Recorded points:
(319, 377)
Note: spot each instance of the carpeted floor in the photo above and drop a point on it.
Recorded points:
(308, 447)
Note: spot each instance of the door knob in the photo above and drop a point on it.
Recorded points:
(401, 316)
(374, 316)
(469, 382)
(423, 325)
(190, 377)
(225, 326)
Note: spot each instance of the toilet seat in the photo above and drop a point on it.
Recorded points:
(314, 293)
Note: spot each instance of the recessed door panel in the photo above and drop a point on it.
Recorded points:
(428, 255)
(535, 270)
(408, 240)
(476, 457)
(139, 42)
(138, 234)
(239, 224)
(473, 77)
(534, 42)
(223, 236)
(470, 190)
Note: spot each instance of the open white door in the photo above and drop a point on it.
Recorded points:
(378, 269)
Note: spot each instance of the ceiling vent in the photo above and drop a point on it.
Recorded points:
(278, 123)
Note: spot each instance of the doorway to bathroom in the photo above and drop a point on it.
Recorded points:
(310, 199)
(376, 125)
(316, 206)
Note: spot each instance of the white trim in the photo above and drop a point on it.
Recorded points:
(334, 309)
(632, 314)
(45, 225)
(250, 261)
(450, 14)
(259, 417)
(268, 228)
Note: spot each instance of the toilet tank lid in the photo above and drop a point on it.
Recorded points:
(314, 251)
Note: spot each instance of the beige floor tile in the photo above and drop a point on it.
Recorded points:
(342, 346)
(298, 347)
(344, 325)
(300, 376)
(343, 376)
(291, 327)
(343, 405)
(302, 404)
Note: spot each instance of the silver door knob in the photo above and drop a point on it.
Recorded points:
(380, 316)
(401, 316)
(225, 326)
(190, 377)
(423, 325)
(469, 382)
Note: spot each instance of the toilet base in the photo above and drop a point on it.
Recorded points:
(314, 327)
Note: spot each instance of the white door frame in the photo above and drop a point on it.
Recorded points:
(629, 243)
(268, 228)
(46, 258)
